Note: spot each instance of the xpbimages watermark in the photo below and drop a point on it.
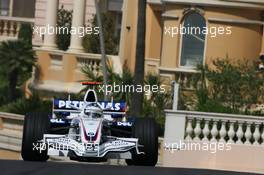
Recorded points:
(80, 31)
(213, 32)
(42, 146)
(212, 147)
(116, 88)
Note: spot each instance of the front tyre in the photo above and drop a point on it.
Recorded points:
(35, 126)
(145, 129)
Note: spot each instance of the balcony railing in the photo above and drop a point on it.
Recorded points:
(61, 71)
(214, 127)
(185, 77)
(9, 26)
(213, 141)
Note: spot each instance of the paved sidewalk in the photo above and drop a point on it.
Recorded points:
(13, 167)
(10, 155)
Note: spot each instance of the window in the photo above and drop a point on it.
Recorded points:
(193, 41)
(4, 7)
(115, 5)
(118, 17)
(24, 8)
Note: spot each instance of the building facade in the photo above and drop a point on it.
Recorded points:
(234, 28)
(57, 71)
(12, 14)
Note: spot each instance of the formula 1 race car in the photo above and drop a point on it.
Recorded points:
(89, 130)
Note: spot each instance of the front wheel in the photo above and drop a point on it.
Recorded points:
(35, 126)
(145, 129)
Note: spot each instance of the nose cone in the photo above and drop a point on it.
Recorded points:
(92, 129)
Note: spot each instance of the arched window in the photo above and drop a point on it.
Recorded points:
(193, 40)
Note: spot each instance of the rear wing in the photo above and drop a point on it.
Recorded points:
(65, 108)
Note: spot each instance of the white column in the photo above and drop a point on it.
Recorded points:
(231, 132)
(124, 31)
(176, 87)
(197, 130)
(51, 21)
(206, 131)
(262, 44)
(11, 2)
(77, 21)
(174, 130)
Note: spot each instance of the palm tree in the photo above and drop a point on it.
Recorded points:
(102, 44)
(137, 98)
(16, 59)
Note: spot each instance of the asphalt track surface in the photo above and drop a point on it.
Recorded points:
(16, 167)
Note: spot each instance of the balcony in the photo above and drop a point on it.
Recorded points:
(9, 26)
(60, 71)
(183, 76)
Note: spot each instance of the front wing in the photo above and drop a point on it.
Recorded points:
(61, 145)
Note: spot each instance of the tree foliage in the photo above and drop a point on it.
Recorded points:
(91, 42)
(64, 21)
(154, 103)
(23, 106)
(16, 61)
(124, 79)
(25, 33)
(229, 88)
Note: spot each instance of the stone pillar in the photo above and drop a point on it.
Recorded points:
(11, 2)
(262, 44)
(124, 32)
(176, 87)
(51, 21)
(77, 21)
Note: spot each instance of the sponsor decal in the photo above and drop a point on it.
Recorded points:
(56, 120)
(117, 143)
(124, 123)
(67, 105)
(91, 134)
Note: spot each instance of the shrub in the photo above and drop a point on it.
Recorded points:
(214, 106)
(16, 61)
(23, 106)
(16, 57)
(126, 79)
(91, 43)
(153, 106)
(64, 20)
(25, 33)
(228, 88)
(3, 96)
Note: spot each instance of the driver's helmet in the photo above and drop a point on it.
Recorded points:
(92, 112)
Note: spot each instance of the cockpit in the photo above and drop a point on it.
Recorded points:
(92, 110)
